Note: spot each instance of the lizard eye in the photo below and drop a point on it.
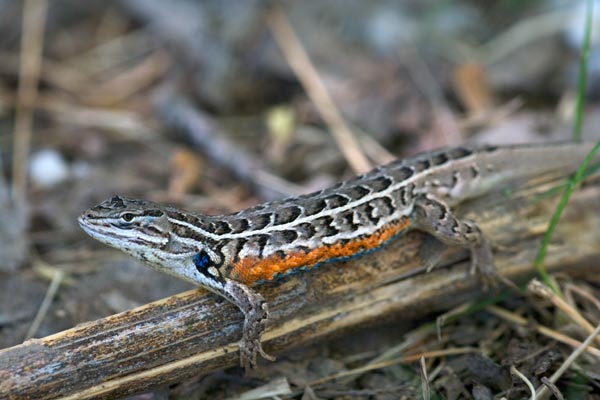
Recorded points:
(128, 217)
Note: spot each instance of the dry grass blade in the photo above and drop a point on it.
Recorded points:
(540, 289)
(511, 317)
(572, 357)
(400, 360)
(316, 90)
(569, 287)
(272, 389)
(516, 372)
(32, 40)
(425, 389)
(43, 310)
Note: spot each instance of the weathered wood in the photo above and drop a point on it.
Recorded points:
(195, 332)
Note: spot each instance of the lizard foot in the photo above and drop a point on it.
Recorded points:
(482, 263)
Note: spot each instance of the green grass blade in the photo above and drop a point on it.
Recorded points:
(579, 175)
(582, 79)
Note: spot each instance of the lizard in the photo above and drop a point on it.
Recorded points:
(229, 254)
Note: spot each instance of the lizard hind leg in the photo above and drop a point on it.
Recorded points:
(435, 218)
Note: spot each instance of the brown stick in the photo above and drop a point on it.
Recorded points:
(32, 40)
(204, 135)
(194, 332)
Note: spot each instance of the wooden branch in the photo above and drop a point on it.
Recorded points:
(195, 332)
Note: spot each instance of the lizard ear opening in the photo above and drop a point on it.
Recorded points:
(156, 219)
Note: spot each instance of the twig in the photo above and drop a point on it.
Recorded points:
(316, 89)
(572, 357)
(544, 291)
(569, 287)
(43, 310)
(511, 317)
(394, 361)
(515, 371)
(201, 131)
(425, 384)
(32, 40)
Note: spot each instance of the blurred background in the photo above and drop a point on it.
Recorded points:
(218, 105)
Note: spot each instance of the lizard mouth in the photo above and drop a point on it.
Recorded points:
(96, 231)
(84, 224)
(88, 227)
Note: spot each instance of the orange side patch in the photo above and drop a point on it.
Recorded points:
(250, 270)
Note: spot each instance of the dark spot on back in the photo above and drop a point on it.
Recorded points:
(222, 227)
(325, 224)
(356, 192)
(439, 159)
(239, 225)
(260, 221)
(380, 183)
(239, 245)
(459, 152)
(286, 215)
(348, 218)
(455, 177)
(369, 210)
(401, 173)
(386, 204)
(306, 230)
(421, 165)
(207, 226)
(262, 241)
(336, 200)
(315, 207)
(288, 235)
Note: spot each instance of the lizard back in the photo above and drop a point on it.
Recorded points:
(346, 220)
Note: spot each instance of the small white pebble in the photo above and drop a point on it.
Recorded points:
(48, 168)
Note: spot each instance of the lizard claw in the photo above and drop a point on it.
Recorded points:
(249, 350)
(482, 263)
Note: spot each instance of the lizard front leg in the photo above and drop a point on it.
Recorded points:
(251, 303)
(256, 315)
(434, 217)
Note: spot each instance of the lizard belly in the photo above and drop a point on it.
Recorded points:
(250, 270)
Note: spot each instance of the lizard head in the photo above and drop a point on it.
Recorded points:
(134, 226)
(144, 230)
